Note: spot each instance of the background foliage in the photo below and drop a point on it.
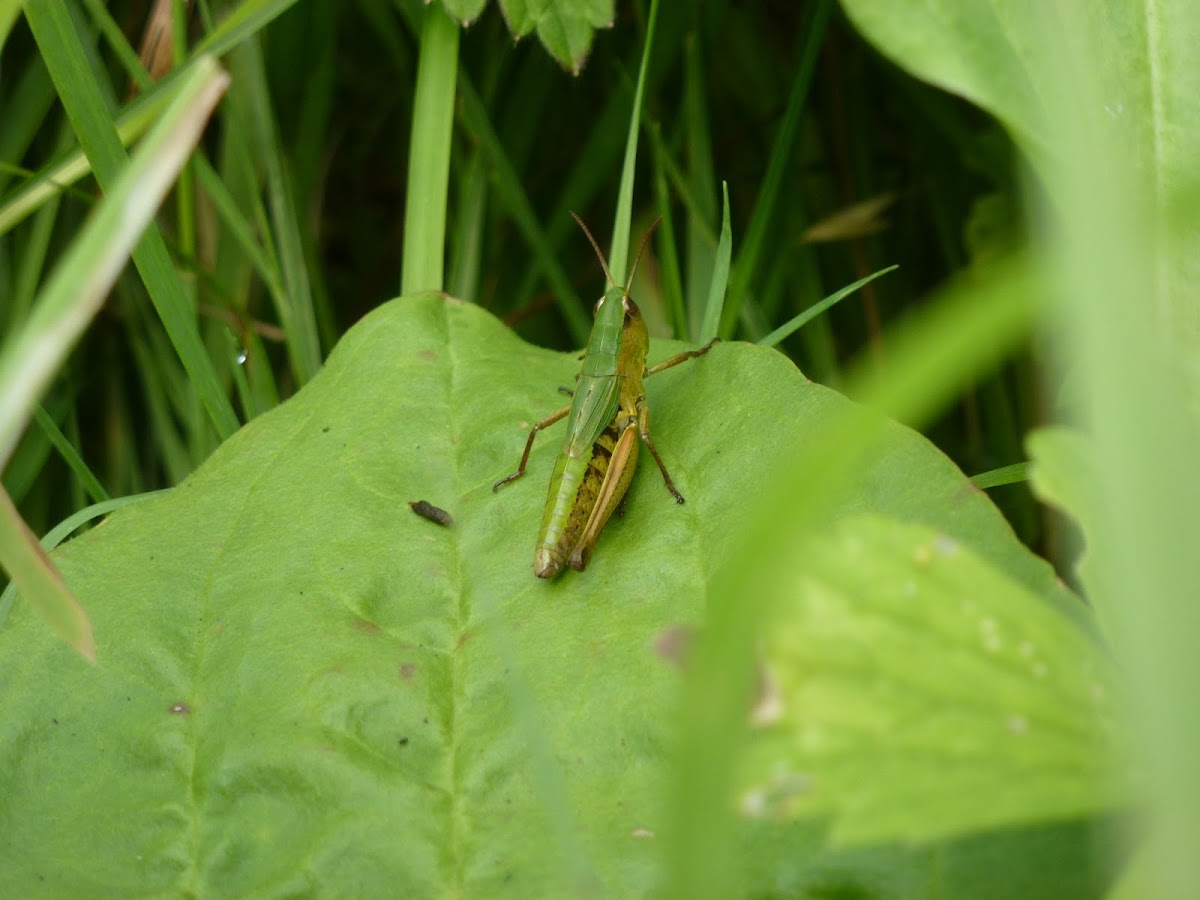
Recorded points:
(302, 686)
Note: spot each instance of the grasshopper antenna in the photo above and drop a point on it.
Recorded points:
(637, 259)
(596, 247)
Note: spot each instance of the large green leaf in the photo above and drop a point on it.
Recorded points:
(303, 687)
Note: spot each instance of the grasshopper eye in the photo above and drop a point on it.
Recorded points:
(596, 308)
(631, 308)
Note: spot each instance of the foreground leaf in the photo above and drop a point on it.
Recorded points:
(914, 692)
(306, 688)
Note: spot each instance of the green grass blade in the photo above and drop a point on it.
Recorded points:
(700, 182)
(932, 356)
(671, 276)
(246, 20)
(429, 155)
(294, 300)
(713, 309)
(115, 38)
(798, 322)
(39, 582)
(65, 529)
(81, 281)
(747, 266)
(67, 451)
(79, 89)
(511, 194)
(1014, 474)
(618, 253)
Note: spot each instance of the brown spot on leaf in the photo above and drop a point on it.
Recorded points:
(427, 355)
(675, 643)
(365, 626)
(462, 640)
(181, 709)
(407, 670)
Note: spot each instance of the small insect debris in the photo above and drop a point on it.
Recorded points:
(435, 514)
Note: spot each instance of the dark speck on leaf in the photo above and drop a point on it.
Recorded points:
(435, 514)
(407, 670)
(403, 742)
(325, 430)
(55, 721)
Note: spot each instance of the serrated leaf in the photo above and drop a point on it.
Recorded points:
(914, 692)
(465, 11)
(304, 687)
(565, 27)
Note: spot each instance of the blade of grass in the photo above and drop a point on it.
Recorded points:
(39, 582)
(116, 41)
(424, 255)
(9, 10)
(71, 456)
(78, 88)
(25, 110)
(700, 181)
(294, 301)
(746, 267)
(798, 322)
(710, 324)
(963, 333)
(618, 253)
(65, 529)
(81, 281)
(512, 195)
(71, 297)
(245, 21)
(1014, 474)
(671, 277)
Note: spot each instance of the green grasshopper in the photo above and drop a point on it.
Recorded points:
(607, 414)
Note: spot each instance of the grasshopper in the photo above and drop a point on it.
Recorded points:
(607, 414)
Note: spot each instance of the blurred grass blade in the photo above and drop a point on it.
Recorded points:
(246, 20)
(747, 266)
(64, 530)
(79, 88)
(67, 304)
(700, 182)
(292, 293)
(711, 324)
(857, 220)
(511, 194)
(424, 257)
(39, 582)
(9, 10)
(80, 283)
(70, 455)
(60, 175)
(618, 254)
(973, 325)
(785, 330)
(1014, 474)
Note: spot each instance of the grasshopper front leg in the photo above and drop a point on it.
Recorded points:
(545, 423)
(643, 411)
(679, 358)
